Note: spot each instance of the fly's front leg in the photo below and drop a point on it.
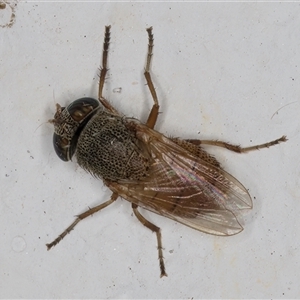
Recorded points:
(103, 68)
(154, 111)
(237, 148)
(103, 71)
(155, 229)
(82, 216)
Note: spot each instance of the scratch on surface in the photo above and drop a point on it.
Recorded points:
(276, 112)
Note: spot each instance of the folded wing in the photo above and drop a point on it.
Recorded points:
(186, 188)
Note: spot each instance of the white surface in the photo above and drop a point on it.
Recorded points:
(220, 71)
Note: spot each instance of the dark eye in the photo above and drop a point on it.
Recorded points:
(81, 108)
(62, 147)
(79, 112)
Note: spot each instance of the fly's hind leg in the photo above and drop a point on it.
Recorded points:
(154, 111)
(103, 71)
(158, 235)
(82, 216)
(237, 148)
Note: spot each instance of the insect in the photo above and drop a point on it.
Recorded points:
(172, 177)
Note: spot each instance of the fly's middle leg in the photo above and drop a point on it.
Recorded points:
(82, 216)
(155, 229)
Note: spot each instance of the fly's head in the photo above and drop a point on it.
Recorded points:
(68, 123)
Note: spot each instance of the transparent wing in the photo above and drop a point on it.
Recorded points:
(186, 188)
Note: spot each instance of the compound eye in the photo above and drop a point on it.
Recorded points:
(62, 147)
(81, 108)
(80, 111)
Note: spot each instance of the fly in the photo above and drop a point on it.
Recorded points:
(172, 177)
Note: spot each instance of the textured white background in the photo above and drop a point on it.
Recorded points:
(221, 71)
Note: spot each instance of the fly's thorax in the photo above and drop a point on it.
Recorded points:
(108, 149)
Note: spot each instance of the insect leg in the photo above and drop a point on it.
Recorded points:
(82, 216)
(103, 71)
(103, 68)
(154, 111)
(158, 235)
(237, 148)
